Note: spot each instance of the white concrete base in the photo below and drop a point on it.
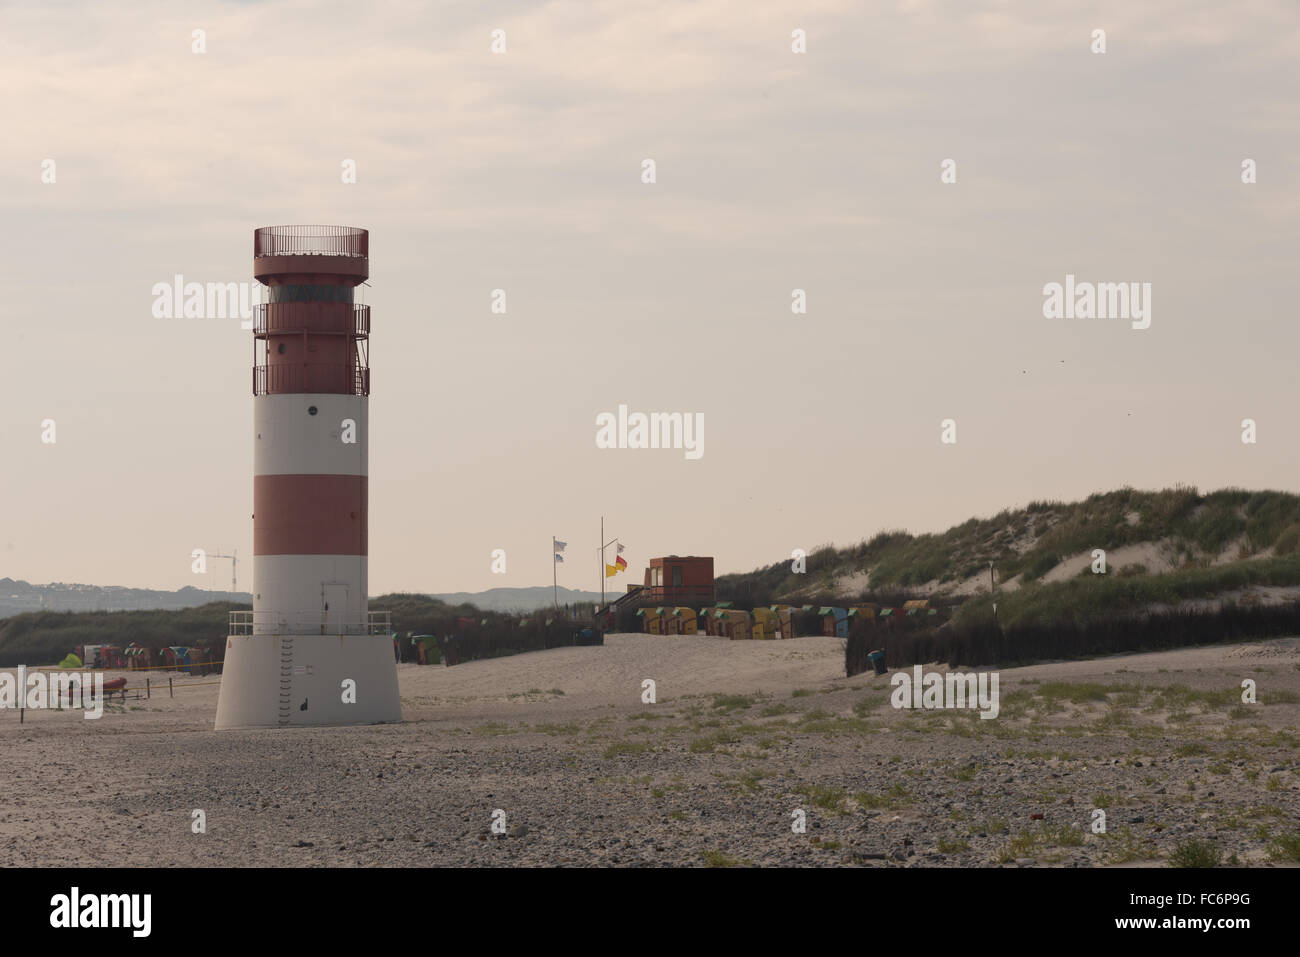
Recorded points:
(280, 681)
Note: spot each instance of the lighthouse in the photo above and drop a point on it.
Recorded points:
(311, 652)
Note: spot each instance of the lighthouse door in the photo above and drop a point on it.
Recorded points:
(334, 607)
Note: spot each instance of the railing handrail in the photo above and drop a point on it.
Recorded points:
(374, 623)
(358, 329)
(677, 592)
(311, 241)
(262, 375)
(247, 615)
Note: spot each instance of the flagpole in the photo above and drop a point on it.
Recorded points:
(555, 597)
(602, 563)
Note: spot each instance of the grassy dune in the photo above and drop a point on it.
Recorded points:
(1217, 542)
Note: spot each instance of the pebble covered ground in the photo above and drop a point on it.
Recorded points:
(746, 739)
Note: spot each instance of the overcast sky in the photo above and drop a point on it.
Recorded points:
(523, 171)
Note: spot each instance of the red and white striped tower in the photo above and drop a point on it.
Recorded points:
(310, 652)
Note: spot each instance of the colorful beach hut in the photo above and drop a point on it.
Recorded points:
(784, 620)
(176, 657)
(138, 657)
(200, 661)
(426, 649)
(735, 624)
(651, 620)
(88, 654)
(718, 622)
(862, 613)
(714, 619)
(835, 621)
(681, 622)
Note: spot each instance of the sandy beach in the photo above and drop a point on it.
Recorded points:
(744, 739)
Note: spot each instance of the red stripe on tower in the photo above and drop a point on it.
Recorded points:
(309, 514)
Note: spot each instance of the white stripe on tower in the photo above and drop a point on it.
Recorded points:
(310, 507)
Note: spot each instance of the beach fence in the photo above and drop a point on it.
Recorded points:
(476, 639)
(916, 640)
(136, 687)
(860, 644)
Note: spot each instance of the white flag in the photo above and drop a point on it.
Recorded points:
(557, 544)
(620, 549)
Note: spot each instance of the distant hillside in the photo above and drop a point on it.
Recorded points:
(17, 597)
(1171, 546)
(517, 599)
